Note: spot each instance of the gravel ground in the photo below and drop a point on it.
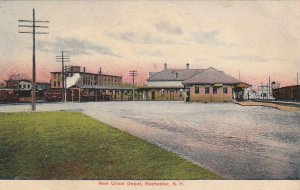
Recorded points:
(236, 142)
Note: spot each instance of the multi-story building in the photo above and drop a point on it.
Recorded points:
(85, 78)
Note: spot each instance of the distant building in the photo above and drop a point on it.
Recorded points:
(264, 92)
(40, 86)
(21, 84)
(85, 78)
(26, 85)
(22, 88)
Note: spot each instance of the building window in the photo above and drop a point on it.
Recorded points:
(24, 85)
(58, 83)
(206, 90)
(197, 90)
(174, 75)
(215, 90)
(54, 84)
(162, 92)
(20, 86)
(28, 86)
(54, 76)
(225, 90)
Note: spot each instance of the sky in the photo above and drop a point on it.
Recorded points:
(258, 39)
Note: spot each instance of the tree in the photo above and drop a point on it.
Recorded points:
(18, 76)
(2, 84)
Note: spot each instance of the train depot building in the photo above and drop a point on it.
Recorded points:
(167, 84)
(197, 85)
(212, 85)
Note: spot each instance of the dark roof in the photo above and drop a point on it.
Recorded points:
(104, 87)
(284, 87)
(166, 75)
(211, 76)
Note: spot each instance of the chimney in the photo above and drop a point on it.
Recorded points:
(100, 72)
(165, 67)
(187, 66)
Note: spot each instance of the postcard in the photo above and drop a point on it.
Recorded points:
(149, 94)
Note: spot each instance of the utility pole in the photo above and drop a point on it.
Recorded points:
(297, 80)
(32, 24)
(62, 58)
(239, 76)
(133, 74)
(269, 88)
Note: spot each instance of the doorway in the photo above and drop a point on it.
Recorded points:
(152, 95)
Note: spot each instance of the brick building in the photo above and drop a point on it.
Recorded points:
(86, 86)
(86, 78)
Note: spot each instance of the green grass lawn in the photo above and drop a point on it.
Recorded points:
(67, 145)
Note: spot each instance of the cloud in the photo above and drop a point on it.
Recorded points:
(144, 38)
(167, 28)
(150, 53)
(245, 58)
(75, 46)
(210, 38)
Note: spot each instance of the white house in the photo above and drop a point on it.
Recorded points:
(264, 93)
(25, 85)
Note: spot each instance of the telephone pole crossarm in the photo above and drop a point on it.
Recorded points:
(133, 74)
(32, 24)
(63, 58)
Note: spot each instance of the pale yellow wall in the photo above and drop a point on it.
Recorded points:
(219, 97)
(166, 96)
(55, 77)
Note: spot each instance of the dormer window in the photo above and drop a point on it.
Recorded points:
(174, 75)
